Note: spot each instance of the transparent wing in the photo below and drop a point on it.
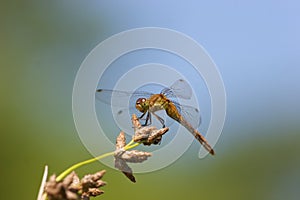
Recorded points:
(190, 114)
(124, 105)
(123, 118)
(119, 98)
(180, 89)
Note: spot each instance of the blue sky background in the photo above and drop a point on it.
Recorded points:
(256, 46)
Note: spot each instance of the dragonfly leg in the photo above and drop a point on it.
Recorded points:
(161, 120)
(148, 119)
(140, 117)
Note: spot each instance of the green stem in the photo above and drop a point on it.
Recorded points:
(130, 143)
(127, 147)
(73, 167)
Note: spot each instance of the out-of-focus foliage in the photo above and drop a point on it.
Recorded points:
(43, 44)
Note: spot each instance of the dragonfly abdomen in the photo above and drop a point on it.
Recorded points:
(198, 136)
(172, 112)
(159, 101)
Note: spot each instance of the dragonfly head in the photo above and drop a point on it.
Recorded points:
(141, 104)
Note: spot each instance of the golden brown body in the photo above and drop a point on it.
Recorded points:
(161, 102)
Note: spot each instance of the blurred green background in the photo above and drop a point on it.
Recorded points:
(255, 45)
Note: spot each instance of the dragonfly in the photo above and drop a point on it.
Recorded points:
(148, 104)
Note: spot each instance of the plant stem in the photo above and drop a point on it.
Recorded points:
(127, 147)
(73, 167)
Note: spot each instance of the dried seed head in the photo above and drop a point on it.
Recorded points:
(62, 190)
(91, 184)
(135, 122)
(135, 156)
(121, 140)
(122, 157)
(71, 188)
(149, 135)
(122, 166)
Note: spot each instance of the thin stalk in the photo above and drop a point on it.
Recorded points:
(127, 147)
(73, 167)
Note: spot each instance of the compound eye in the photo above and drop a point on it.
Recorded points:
(140, 101)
